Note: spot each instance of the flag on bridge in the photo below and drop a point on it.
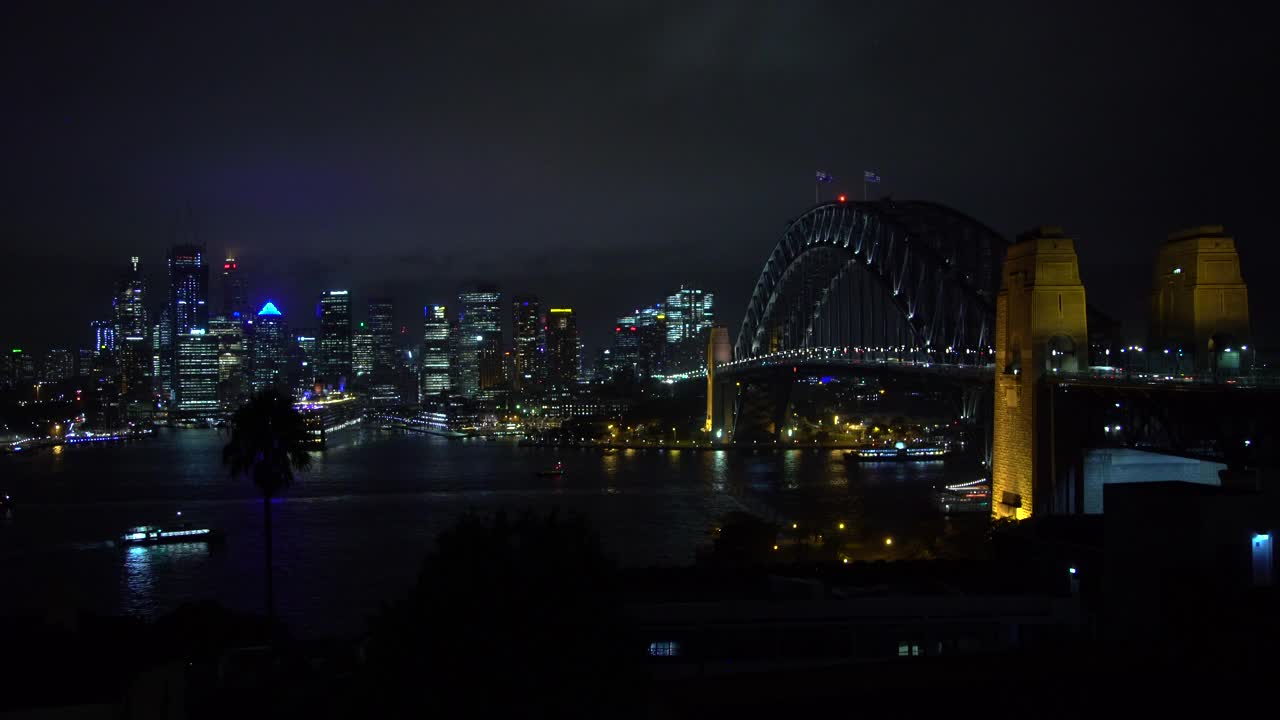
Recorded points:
(823, 177)
(870, 177)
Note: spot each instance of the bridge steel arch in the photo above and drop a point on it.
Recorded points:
(883, 278)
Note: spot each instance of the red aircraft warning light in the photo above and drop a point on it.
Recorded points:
(842, 198)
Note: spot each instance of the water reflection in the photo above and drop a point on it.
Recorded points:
(146, 567)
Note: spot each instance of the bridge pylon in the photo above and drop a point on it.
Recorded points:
(1199, 302)
(720, 399)
(1041, 328)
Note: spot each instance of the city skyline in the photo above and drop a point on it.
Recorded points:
(402, 196)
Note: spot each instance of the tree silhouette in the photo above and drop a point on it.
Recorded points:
(268, 443)
(507, 617)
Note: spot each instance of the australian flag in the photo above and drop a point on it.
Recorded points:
(870, 177)
(823, 177)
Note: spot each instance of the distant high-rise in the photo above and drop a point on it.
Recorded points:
(234, 358)
(162, 353)
(480, 343)
(235, 293)
(270, 357)
(435, 350)
(333, 361)
(382, 328)
(526, 341)
(196, 379)
(626, 346)
(362, 353)
(562, 349)
(188, 289)
(132, 330)
(59, 365)
(188, 299)
(104, 338)
(690, 314)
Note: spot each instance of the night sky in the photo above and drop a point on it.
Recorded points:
(599, 154)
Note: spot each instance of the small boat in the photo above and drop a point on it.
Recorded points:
(555, 471)
(155, 535)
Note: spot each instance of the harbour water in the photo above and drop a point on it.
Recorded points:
(351, 533)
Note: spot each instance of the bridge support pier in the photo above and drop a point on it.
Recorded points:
(1041, 328)
(721, 395)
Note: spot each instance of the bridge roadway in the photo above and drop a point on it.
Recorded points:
(886, 363)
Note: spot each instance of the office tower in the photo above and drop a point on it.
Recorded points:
(196, 376)
(270, 346)
(187, 302)
(651, 351)
(362, 353)
(690, 315)
(302, 360)
(59, 365)
(234, 358)
(132, 328)
(382, 328)
(480, 343)
(562, 349)
(21, 368)
(188, 289)
(104, 338)
(162, 354)
(333, 359)
(235, 293)
(526, 342)
(435, 350)
(626, 346)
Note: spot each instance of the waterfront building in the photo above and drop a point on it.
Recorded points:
(270, 345)
(435, 350)
(527, 344)
(235, 293)
(196, 378)
(480, 343)
(334, 352)
(131, 329)
(561, 349)
(162, 354)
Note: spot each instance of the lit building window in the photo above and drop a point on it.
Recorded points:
(666, 648)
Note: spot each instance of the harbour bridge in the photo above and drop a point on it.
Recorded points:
(919, 293)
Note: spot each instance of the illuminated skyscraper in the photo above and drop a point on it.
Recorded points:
(527, 341)
(196, 385)
(382, 327)
(235, 294)
(362, 353)
(562, 349)
(59, 365)
(480, 343)
(104, 338)
(188, 300)
(132, 330)
(435, 350)
(270, 356)
(690, 314)
(333, 362)
(188, 289)
(234, 358)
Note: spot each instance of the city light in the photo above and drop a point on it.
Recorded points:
(888, 541)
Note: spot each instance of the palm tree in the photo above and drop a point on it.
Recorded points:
(268, 443)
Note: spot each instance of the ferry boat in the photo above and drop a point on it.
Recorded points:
(967, 497)
(155, 535)
(896, 453)
(555, 471)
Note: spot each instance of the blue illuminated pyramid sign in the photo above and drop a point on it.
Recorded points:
(269, 309)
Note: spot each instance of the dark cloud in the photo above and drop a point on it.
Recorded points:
(601, 153)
